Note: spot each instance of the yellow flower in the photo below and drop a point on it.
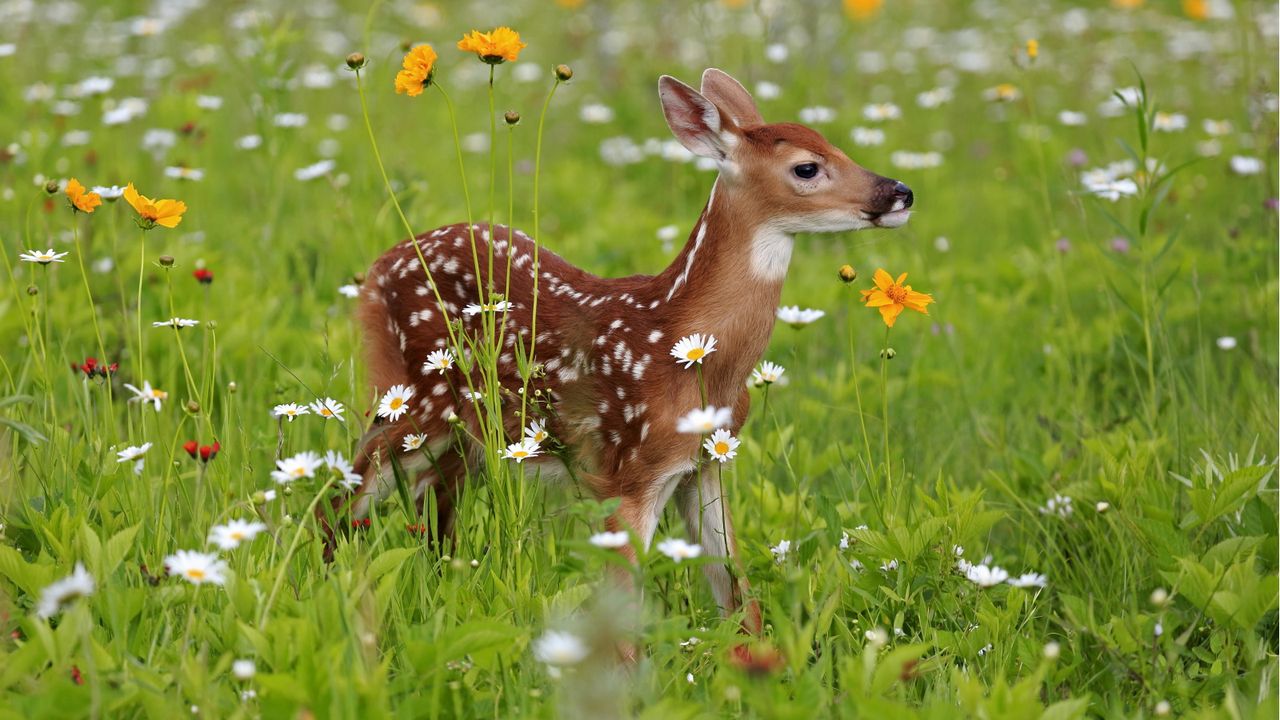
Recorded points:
(80, 198)
(1127, 4)
(494, 47)
(1033, 48)
(862, 9)
(1196, 9)
(419, 66)
(165, 213)
(891, 296)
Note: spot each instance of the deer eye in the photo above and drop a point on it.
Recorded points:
(806, 171)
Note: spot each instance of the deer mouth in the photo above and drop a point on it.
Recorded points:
(890, 218)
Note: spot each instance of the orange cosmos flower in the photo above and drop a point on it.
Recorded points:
(494, 47)
(166, 213)
(419, 67)
(891, 296)
(81, 199)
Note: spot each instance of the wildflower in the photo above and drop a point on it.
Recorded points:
(342, 468)
(197, 568)
(438, 360)
(1028, 580)
(133, 452)
(559, 649)
(229, 536)
(395, 402)
(472, 395)
(891, 296)
(328, 408)
(1217, 128)
(147, 394)
(1004, 92)
(1162, 709)
(537, 432)
(721, 445)
(876, 637)
(595, 114)
(474, 309)
(693, 349)
(176, 323)
(178, 172)
(867, 137)
(1243, 165)
(985, 576)
(302, 465)
(817, 115)
(58, 594)
(91, 368)
(43, 257)
(1059, 505)
(700, 421)
(780, 550)
(936, 97)
(204, 276)
(880, 112)
(1159, 597)
(1072, 118)
(1169, 122)
(985, 649)
(291, 411)
(110, 193)
(244, 669)
(204, 453)
(1226, 342)
(862, 9)
(610, 540)
(521, 451)
(678, 549)
(494, 47)
(419, 66)
(349, 290)
(796, 317)
(1033, 49)
(768, 373)
(81, 199)
(413, 441)
(889, 565)
(1102, 506)
(165, 213)
(314, 171)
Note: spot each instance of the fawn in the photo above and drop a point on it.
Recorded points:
(603, 344)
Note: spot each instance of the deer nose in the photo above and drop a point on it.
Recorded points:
(903, 194)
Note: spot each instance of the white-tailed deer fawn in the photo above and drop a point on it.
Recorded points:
(604, 343)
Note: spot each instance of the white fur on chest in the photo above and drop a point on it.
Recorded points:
(771, 253)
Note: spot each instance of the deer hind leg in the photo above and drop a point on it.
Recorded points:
(706, 517)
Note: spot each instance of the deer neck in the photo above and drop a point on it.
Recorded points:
(727, 282)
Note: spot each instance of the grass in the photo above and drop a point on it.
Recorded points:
(1075, 349)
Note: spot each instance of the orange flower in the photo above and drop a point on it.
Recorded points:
(891, 296)
(862, 9)
(81, 199)
(419, 67)
(166, 213)
(494, 47)
(1196, 9)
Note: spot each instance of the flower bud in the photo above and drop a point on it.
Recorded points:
(475, 564)
(166, 261)
(1051, 651)
(446, 558)
(259, 498)
(848, 274)
(512, 117)
(287, 520)
(33, 290)
(564, 73)
(1103, 506)
(1159, 597)
(454, 419)
(358, 278)
(51, 187)
(288, 491)
(888, 353)
(355, 60)
(193, 407)
(232, 387)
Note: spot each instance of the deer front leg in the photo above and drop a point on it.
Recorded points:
(706, 516)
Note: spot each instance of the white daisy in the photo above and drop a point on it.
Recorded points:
(1112, 190)
(1169, 122)
(768, 373)
(229, 536)
(133, 452)
(537, 432)
(244, 669)
(395, 402)
(678, 549)
(610, 540)
(58, 594)
(474, 309)
(438, 360)
(1028, 580)
(780, 550)
(328, 408)
(521, 451)
(693, 349)
(196, 567)
(313, 171)
(880, 112)
(700, 421)
(1072, 118)
(1059, 505)
(1217, 128)
(339, 465)
(292, 411)
(176, 322)
(794, 316)
(722, 446)
(559, 649)
(985, 576)
(1226, 342)
(44, 257)
(178, 172)
(302, 465)
(867, 137)
(1244, 165)
(109, 192)
(349, 290)
(147, 394)
(413, 441)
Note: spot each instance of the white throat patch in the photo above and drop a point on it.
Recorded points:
(771, 253)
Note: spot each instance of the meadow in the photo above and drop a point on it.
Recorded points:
(1053, 496)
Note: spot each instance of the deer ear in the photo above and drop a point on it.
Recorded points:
(694, 120)
(732, 99)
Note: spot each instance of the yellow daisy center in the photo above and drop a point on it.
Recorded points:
(236, 535)
(520, 454)
(396, 403)
(696, 354)
(195, 574)
(722, 448)
(896, 293)
(299, 471)
(326, 412)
